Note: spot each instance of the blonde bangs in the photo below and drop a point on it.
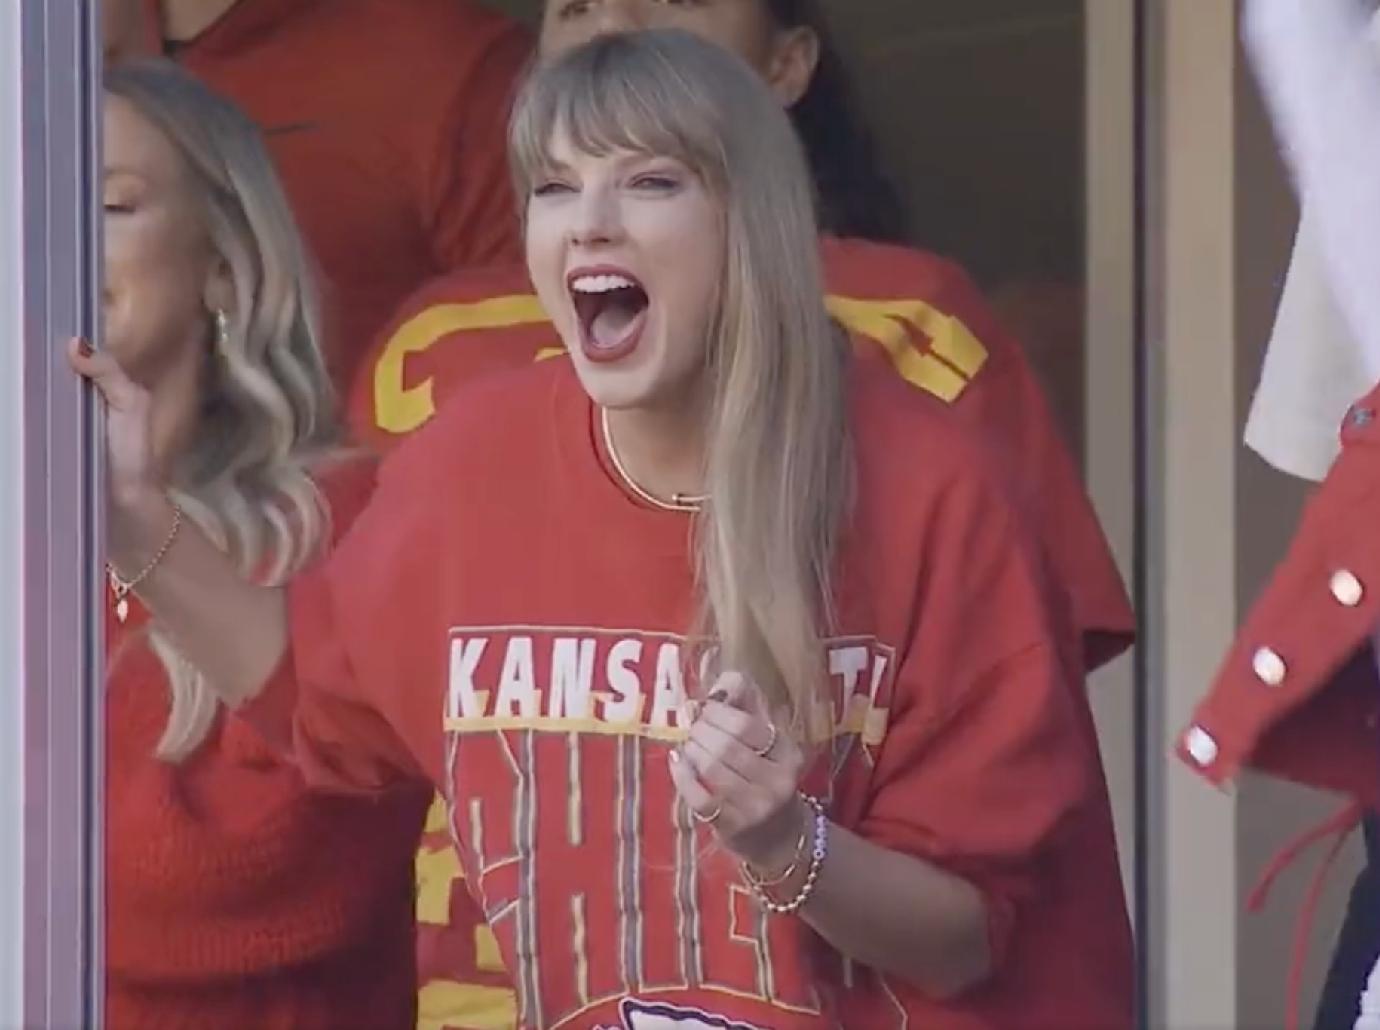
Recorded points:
(645, 105)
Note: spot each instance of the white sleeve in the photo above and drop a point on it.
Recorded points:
(1313, 372)
(1320, 75)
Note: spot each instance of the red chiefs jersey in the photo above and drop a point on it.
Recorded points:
(533, 666)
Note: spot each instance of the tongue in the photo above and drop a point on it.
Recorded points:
(615, 318)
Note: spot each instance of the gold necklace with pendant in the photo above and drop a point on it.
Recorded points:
(122, 587)
(121, 591)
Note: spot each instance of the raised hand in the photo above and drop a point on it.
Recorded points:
(740, 775)
(133, 473)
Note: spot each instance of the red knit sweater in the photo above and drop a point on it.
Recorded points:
(235, 899)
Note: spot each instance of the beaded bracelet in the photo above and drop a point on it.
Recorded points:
(817, 855)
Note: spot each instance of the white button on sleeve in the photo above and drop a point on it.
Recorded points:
(1346, 588)
(1200, 746)
(1269, 667)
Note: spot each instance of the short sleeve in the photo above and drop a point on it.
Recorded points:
(985, 762)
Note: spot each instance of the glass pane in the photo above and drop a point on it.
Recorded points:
(51, 739)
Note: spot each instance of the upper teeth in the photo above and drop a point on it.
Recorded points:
(602, 283)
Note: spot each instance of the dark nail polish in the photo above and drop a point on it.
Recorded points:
(84, 348)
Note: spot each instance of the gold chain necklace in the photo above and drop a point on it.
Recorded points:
(678, 502)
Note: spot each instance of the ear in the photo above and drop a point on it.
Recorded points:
(792, 62)
(219, 292)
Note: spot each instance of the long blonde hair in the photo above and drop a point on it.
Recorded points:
(778, 462)
(267, 411)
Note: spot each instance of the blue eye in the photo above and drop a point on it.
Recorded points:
(548, 189)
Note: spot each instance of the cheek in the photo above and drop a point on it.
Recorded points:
(545, 259)
(557, 37)
(692, 253)
(140, 253)
(153, 296)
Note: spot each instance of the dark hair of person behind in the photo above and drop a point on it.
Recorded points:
(856, 197)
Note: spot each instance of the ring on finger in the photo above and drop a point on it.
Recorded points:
(706, 819)
(765, 749)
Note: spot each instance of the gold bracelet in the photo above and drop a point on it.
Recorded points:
(123, 587)
(817, 856)
(756, 882)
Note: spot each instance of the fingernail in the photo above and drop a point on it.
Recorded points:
(84, 348)
(674, 756)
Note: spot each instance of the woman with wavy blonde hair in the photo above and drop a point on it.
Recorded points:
(745, 716)
(235, 897)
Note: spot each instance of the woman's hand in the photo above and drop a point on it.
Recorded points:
(741, 776)
(132, 471)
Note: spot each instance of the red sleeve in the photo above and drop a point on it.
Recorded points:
(469, 194)
(961, 354)
(1006, 401)
(983, 764)
(318, 705)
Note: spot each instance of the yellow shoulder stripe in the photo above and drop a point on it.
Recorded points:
(954, 356)
(892, 324)
(399, 408)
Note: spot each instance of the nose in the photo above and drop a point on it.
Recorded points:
(597, 220)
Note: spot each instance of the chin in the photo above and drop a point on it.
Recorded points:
(613, 389)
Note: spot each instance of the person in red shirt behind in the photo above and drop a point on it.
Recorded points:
(745, 717)
(385, 119)
(234, 897)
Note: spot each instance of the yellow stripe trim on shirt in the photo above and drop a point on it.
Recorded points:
(953, 358)
(399, 408)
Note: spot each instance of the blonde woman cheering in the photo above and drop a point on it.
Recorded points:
(235, 898)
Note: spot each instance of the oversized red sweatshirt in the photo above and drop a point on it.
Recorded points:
(507, 622)
(387, 123)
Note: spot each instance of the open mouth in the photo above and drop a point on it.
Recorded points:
(612, 308)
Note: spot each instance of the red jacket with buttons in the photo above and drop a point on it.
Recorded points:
(1297, 694)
